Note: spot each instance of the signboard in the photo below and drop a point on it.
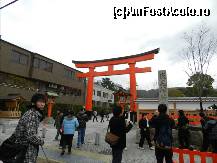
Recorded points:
(163, 91)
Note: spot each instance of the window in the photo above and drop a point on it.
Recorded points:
(36, 63)
(49, 67)
(105, 95)
(99, 93)
(42, 64)
(19, 58)
(94, 92)
(69, 74)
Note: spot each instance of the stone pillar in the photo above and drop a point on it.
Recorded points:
(163, 91)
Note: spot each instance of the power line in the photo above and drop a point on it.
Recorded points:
(8, 4)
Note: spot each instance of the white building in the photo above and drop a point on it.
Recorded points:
(102, 97)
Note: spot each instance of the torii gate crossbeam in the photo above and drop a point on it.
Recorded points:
(132, 70)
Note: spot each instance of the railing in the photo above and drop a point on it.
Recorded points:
(192, 154)
(10, 114)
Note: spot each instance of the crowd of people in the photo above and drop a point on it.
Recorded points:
(23, 145)
(163, 126)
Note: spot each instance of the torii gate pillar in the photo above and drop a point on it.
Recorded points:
(89, 90)
(133, 105)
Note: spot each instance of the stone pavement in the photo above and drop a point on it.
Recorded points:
(89, 152)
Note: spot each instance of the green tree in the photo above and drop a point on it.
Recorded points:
(202, 84)
(107, 83)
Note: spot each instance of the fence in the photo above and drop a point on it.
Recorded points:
(192, 154)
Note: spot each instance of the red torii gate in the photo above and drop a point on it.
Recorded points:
(132, 70)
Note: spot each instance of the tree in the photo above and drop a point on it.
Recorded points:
(202, 83)
(201, 45)
(108, 84)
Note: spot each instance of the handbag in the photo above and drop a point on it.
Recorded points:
(111, 138)
(11, 151)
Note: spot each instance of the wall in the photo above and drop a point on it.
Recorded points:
(179, 105)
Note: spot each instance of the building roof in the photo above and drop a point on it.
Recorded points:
(38, 55)
(179, 99)
(155, 51)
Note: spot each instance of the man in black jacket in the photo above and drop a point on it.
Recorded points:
(163, 125)
(145, 132)
(118, 127)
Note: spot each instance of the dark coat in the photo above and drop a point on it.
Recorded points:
(182, 122)
(118, 127)
(211, 129)
(82, 119)
(161, 120)
(203, 122)
(143, 124)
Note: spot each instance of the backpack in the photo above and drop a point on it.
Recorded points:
(164, 138)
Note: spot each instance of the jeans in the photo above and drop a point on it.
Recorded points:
(117, 155)
(81, 135)
(161, 153)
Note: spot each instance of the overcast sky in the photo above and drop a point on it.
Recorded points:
(66, 30)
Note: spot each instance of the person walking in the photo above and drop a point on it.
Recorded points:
(57, 123)
(118, 127)
(203, 121)
(183, 130)
(145, 132)
(26, 132)
(70, 123)
(95, 115)
(163, 125)
(102, 114)
(82, 119)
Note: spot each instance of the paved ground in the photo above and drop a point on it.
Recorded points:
(91, 153)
